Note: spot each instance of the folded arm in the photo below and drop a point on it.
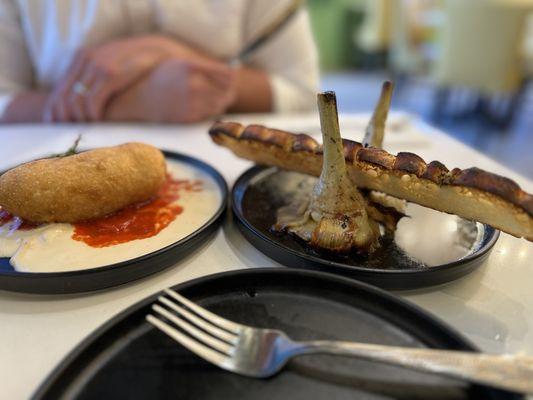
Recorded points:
(18, 103)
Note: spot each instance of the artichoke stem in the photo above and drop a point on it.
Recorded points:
(375, 131)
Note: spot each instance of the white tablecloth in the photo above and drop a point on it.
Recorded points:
(493, 306)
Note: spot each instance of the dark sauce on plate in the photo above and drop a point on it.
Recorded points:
(429, 238)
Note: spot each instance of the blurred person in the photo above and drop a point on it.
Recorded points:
(150, 60)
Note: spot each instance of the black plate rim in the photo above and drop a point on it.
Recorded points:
(415, 312)
(215, 219)
(244, 180)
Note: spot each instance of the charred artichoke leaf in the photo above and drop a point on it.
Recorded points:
(293, 214)
(375, 130)
(374, 135)
(400, 205)
(386, 216)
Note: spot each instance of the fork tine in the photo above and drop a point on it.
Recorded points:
(208, 315)
(201, 323)
(198, 334)
(197, 348)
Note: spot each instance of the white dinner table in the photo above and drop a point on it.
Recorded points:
(492, 306)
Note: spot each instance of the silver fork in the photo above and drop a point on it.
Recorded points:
(261, 353)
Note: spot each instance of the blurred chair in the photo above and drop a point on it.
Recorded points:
(373, 36)
(333, 23)
(481, 49)
(528, 46)
(410, 30)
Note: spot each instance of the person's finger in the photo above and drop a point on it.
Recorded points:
(48, 115)
(56, 111)
(207, 99)
(75, 71)
(219, 106)
(60, 108)
(218, 73)
(94, 81)
(106, 85)
(60, 113)
(114, 77)
(96, 100)
(211, 67)
(206, 107)
(208, 89)
(220, 99)
(77, 99)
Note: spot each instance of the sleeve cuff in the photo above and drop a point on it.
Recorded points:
(288, 97)
(5, 99)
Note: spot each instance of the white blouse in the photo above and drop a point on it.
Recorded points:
(38, 39)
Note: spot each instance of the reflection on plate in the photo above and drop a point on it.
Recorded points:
(128, 358)
(433, 238)
(428, 248)
(59, 258)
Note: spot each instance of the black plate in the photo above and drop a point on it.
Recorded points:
(260, 191)
(126, 271)
(127, 358)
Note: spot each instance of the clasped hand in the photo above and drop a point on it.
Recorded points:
(149, 78)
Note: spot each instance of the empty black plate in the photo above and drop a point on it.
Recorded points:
(128, 358)
(84, 280)
(438, 247)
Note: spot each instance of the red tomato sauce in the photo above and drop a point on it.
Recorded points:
(138, 221)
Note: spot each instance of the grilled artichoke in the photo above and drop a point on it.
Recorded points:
(335, 216)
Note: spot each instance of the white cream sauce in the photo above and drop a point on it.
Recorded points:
(50, 248)
(436, 238)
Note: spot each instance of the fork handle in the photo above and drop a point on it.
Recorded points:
(510, 372)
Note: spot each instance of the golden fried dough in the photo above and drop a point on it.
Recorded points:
(83, 186)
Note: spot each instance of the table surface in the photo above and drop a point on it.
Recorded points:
(493, 306)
